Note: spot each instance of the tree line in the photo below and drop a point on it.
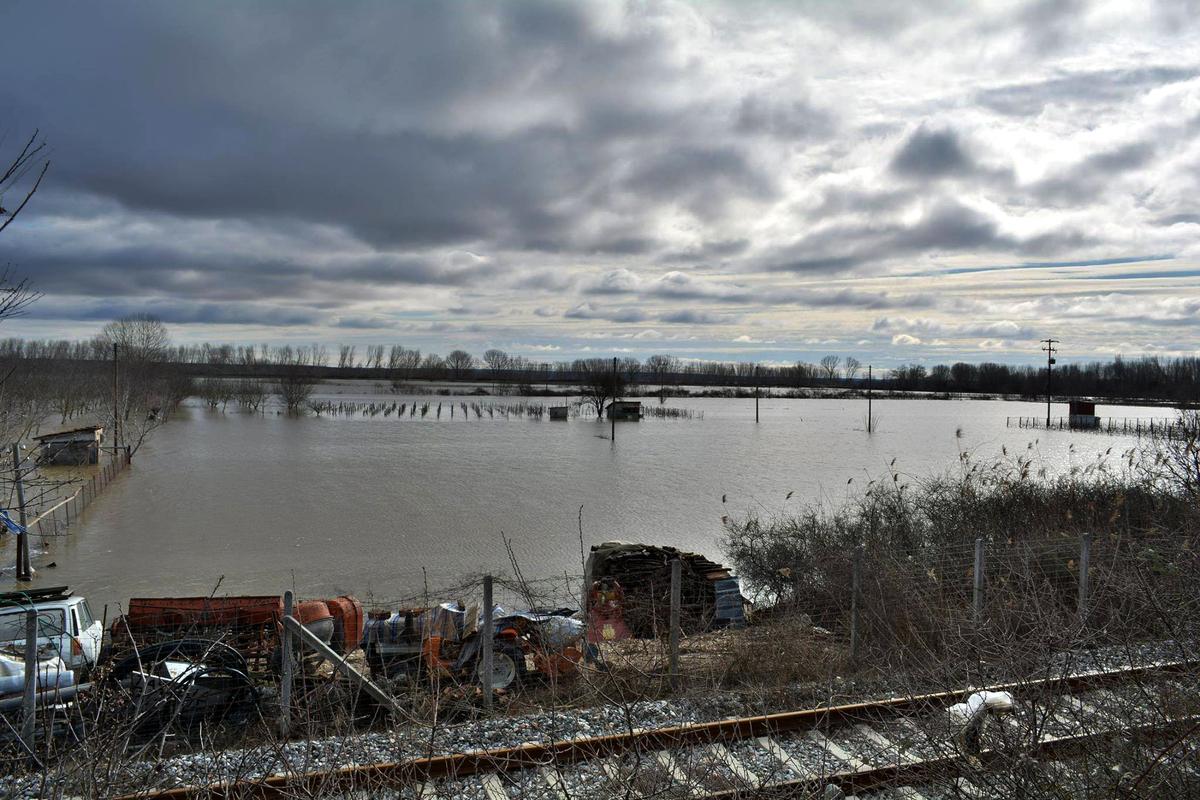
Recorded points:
(293, 368)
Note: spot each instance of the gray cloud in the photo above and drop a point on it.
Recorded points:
(340, 167)
(931, 154)
(1077, 88)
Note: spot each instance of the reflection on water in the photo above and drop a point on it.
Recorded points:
(361, 504)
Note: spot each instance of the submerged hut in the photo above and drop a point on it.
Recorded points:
(75, 447)
(625, 409)
(1083, 415)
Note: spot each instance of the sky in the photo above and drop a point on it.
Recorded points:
(916, 182)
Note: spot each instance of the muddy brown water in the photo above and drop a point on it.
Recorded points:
(380, 506)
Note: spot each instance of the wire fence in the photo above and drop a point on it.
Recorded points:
(67, 511)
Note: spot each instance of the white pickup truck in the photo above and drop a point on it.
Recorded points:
(66, 627)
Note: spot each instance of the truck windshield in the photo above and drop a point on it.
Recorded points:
(51, 623)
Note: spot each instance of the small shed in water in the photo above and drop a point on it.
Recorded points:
(1083, 415)
(71, 448)
(559, 412)
(625, 409)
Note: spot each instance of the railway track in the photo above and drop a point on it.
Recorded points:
(900, 747)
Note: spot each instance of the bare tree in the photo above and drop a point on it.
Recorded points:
(434, 366)
(631, 370)
(497, 362)
(294, 389)
(829, 365)
(24, 162)
(599, 382)
(346, 356)
(661, 368)
(460, 362)
(853, 365)
(374, 356)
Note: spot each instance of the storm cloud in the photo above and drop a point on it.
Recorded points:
(491, 173)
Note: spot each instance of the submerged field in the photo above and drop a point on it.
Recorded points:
(381, 505)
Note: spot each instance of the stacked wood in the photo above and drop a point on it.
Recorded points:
(643, 572)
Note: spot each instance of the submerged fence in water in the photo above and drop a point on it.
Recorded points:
(71, 508)
(1137, 426)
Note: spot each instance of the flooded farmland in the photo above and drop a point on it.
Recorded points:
(379, 504)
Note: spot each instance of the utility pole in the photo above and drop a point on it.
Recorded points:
(116, 402)
(612, 410)
(868, 398)
(24, 571)
(756, 394)
(1050, 351)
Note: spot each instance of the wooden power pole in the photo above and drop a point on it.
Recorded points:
(1050, 351)
(116, 404)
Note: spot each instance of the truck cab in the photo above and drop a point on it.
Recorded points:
(66, 627)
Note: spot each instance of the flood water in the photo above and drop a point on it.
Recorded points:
(377, 505)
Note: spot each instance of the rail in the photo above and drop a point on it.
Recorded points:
(546, 758)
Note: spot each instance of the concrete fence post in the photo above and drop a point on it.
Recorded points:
(856, 602)
(978, 608)
(676, 600)
(29, 718)
(287, 666)
(487, 644)
(1085, 560)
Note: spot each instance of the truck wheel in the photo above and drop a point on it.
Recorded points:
(508, 665)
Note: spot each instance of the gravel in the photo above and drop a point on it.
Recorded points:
(202, 768)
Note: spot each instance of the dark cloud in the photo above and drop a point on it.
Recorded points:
(931, 154)
(588, 311)
(1076, 89)
(177, 312)
(1084, 181)
(364, 323)
(693, 317)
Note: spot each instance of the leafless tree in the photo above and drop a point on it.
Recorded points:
(631, 369)
(374, 356)
(434, 366)
(852, 367)
(28, 159)
(829, 365)
(661, 368)
(599, 382)
(294, 389)
(498, 363)
(346, 356)
(459, 363)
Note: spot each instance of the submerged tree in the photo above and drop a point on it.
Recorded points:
(600, 382)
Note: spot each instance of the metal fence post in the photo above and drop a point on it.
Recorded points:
(29, 718)
(855, 601)
(485, 657)
(676, 600)
(978, 582)
(285, 689)
(1085, 559)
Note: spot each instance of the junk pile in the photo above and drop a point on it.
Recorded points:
(631, 592)
(183, 686)
(250, 624)
(416, 644)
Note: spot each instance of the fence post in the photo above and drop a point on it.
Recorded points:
(1085, 558)
(485, 657)
(285, 689)
(676, 599)
(855, 601)
(978, 582)
(29, 718)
